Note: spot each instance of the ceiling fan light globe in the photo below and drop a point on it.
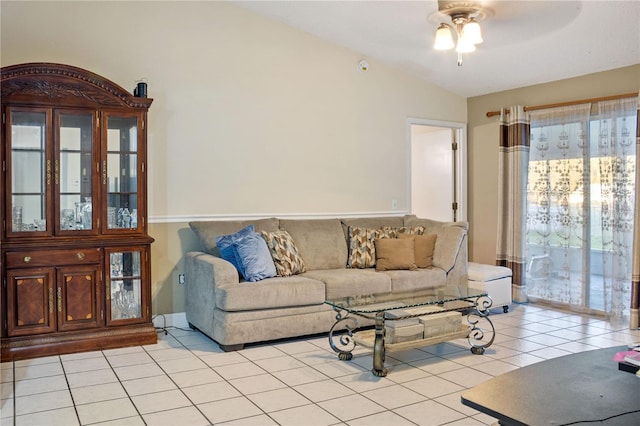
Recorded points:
(465, 46)
(444, 39)
(472, 32)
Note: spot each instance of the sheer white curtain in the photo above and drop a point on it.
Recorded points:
(556, 208)
(613, 189)
(580, 206)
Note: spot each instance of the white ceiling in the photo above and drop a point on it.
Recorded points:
(525, 42)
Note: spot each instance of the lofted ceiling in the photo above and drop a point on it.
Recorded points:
(525, 42)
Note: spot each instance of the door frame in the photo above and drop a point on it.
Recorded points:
(460, 135)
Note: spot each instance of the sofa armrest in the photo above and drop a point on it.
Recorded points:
(204, 273)
(451, 255)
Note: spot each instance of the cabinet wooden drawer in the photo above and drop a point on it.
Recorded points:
(24, 259)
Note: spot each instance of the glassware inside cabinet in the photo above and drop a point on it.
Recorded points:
(122, 171)
(75, 177)
(125, 285)
(31, 171)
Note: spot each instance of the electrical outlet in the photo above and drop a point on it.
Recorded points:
(181, 279)
(394, 204)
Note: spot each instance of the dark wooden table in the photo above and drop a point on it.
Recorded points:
(571, 389)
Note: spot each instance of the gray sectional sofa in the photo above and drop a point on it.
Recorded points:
(234, 312)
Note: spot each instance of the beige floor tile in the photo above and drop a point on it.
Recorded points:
(323, 390)
(6, 409)
(148, 385)
(178, 416)
(351, 407)
(59, 417)
(38, 370)
(119, 359)
(394, 396)
(38, 361)
(210, 392)
(386, 418)
(89, 378)
(43, 384)
(6, 375)
(298, 376)
(96, 393)
(43, 402)
(260, 420)
(257, 384)
(86, 364)
(235, 371)
(138, 371)
(195, 377)
(429, 413)
(229, 409)
(278, 399)
(102, 411)
(307, 415)
(160, 401)
(181, 364)
(433, 386)
(171, 353)
(279, 363)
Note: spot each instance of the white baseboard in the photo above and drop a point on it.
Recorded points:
(178, 320)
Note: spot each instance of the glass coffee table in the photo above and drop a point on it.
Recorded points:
(472, 304)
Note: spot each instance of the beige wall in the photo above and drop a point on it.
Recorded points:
(483, 142)
(250, 117)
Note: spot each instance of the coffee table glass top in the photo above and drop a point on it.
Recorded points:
(374, 303)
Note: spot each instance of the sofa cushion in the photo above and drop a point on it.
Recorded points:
(394, 253)
(416, 280)
(424, 246)
(224, 243)
(284, 252)
(253, 257)
(351, 282)
(321, 242)
(277, 292)
(208, 230)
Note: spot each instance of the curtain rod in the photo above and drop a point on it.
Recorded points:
(561, 104)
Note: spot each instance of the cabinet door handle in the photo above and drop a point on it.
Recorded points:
(27, 259)
(48, 172)
(80, 255)
(59, 299)
(50, 299)
(104, 172)
(57, 172)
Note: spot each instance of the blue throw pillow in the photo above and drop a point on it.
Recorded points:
(227, 250)
(254, 257)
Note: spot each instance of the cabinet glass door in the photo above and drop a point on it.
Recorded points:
(30, 166)
(122, 172)
(124, 292)
(73, 171)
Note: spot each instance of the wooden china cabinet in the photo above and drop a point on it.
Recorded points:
(75, 253)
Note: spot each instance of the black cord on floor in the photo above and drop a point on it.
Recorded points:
(165, 328)
(601, 420)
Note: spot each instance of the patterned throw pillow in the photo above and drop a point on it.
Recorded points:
(393, 232)
(284, 253)
(362, 249)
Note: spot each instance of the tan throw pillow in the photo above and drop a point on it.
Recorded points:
(284, 253)
(393, 253)
(424, 248)
(362, 249)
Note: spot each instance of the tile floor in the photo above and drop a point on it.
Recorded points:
(185, 379)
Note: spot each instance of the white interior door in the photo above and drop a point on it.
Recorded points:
(438, 170)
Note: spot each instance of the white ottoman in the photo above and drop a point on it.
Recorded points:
(495, 280)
